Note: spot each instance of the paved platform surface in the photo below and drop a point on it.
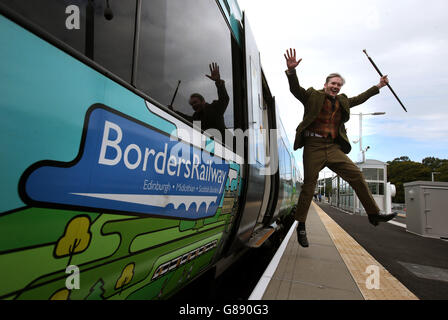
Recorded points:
(419, 263)
(334, 267)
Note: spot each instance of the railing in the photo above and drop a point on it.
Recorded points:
(399, 207)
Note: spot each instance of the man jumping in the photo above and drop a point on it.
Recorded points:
(323, 135)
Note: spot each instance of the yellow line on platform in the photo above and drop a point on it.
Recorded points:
(358, 262)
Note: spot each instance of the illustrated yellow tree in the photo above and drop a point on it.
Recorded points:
(126, 276)
(62, 294)
(76, 238)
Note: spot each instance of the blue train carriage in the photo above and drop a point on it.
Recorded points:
(107, 191)
(292, 179)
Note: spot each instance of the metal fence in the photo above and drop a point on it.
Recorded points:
(399, 207)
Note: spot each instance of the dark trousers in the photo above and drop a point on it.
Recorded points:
(322, 152)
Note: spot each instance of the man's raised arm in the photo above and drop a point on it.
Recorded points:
(363, 97)
(294, 86)
(223, 97)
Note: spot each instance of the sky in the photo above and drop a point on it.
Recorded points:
(407, 40)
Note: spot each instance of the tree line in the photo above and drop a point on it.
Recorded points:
(403, 169)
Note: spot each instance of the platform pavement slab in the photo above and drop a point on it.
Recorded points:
(314, 273)
(333, 267)
(362, 265)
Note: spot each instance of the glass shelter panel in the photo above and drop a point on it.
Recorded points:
(376, 174)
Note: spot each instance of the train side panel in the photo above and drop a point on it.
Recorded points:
(101, 181)
(77, 188)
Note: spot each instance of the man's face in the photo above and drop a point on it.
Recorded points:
(196, 103)
(333, 86)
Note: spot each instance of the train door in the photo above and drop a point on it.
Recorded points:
(257, 184)
(270, 170)
(265, 136)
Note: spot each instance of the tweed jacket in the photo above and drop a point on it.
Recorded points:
(313, 101)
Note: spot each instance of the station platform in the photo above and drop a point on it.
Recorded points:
(333, 267)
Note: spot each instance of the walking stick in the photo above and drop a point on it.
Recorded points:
(378, 70)
(174, 96)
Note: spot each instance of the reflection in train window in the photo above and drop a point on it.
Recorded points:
(178, 41)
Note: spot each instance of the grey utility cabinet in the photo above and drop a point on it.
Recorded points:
(427, 208)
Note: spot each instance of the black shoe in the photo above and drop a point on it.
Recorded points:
(375, 219)
(301, 237)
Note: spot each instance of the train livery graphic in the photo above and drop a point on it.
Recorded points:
(98, 171)
(133, 178)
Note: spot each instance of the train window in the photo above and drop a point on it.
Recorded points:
(282, 160)
(108, 42)
(285, 162)
(178, 41)
(288, 166)
(114, 39)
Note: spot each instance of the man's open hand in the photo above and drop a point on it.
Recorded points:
(214, 72)
(291, 61)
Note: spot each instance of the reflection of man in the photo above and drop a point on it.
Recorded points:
(211, 115)
(322, 134)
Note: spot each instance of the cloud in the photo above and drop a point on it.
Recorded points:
(406, 39)
(425, 128)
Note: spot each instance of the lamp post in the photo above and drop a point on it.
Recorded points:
(432, 175)
(325, 182)
(360, 130)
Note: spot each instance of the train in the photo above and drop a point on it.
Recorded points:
(108, 190)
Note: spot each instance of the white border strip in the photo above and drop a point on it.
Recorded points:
(260, 288)
(397, 223)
